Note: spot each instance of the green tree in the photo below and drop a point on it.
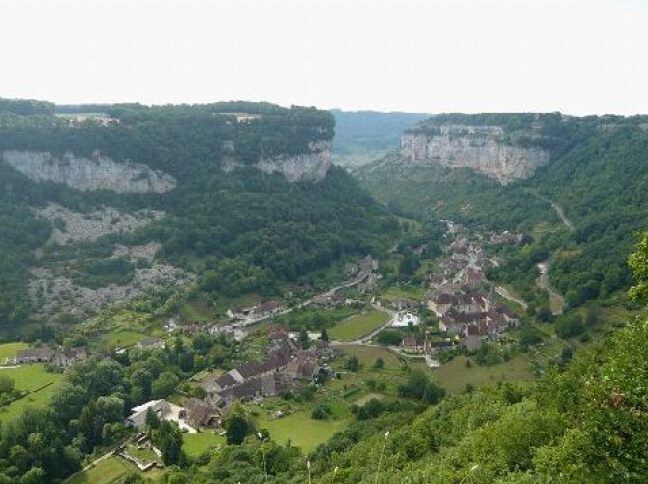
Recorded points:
(638, 262)
(237, 426)
(164, 385)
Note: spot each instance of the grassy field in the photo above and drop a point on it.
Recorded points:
(367, 356)
(105, 472)
(196, 311)
(403, 292)
(11, 349)
(301, 430)
(196, 444)
(29, 378)
(357, 326)
(454, 376)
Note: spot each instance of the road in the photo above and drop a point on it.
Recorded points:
(502, 291)
(561, 213)
(251, 322)
(557, 208)
(556, 301)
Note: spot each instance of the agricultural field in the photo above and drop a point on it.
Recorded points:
(301, 430)
(29, 378)
(367, 356)
(359, 325)
(9, 350)
(107, 471)
(455, 375)
(196, 444)
(403, 292)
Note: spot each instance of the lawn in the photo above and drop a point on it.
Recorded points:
(301, 430)
(356, 326)
(195, 445)
(454, 375)
(8, 350)
(29, 378)
(107, 471)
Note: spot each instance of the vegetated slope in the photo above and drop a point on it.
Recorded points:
(598, 173)
(239, 228)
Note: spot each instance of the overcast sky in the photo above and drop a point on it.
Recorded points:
(575, 57)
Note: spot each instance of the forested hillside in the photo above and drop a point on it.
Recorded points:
(597, 173)
(236, 227)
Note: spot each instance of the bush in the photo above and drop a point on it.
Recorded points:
(388, 337)
(569, 326)
(419, 386)
(321, 412)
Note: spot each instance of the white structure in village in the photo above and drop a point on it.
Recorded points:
(163, 409)
(404, 320)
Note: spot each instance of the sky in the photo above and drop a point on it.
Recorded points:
(576, 57)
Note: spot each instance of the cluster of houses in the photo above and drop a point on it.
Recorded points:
(59, 356)
(459, 296)
(285, 366)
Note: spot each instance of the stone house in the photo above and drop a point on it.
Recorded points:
(35, 355)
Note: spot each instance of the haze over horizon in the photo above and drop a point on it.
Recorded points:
(411, 57)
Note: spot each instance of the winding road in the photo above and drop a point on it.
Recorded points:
(556, 301)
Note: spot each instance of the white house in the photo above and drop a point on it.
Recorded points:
(403, 320)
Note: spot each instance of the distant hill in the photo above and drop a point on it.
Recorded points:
(363, 136)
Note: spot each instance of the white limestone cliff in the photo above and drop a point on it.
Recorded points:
(97, 172)
(306, 167)
(484, 149)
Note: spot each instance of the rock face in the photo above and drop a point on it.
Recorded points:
(307, 167)
(95, 173)
(71, 227)
(484, 149)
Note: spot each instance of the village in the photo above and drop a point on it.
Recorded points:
(457, 311)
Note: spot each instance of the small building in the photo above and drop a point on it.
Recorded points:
(69, 356)
(199, 413)
(404, 320)
(412, 345)
(472, 338)
(137, 418)
(35, 355)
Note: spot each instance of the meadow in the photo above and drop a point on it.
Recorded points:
(196, 444)
(356, 326)
(31, 378)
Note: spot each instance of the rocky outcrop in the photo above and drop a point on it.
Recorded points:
(307, 167)
(71, 227)
(95, 173)
(484, 149)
